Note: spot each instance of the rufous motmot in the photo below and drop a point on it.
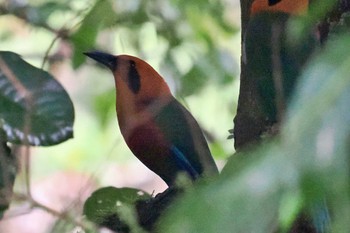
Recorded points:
(159, 131)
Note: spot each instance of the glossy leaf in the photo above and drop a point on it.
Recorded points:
(108, 201)
(34, 108)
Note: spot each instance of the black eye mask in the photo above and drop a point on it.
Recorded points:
(134, 79)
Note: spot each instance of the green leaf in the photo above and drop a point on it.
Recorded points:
(318, 130)
(84, 39)
(243, 201)
(106, 202)
(265, 189)
(8, 170)
(34, 108)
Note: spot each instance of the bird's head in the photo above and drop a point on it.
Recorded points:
(134, 77)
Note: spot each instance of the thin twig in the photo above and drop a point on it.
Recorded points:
(61, 215)
(27, 169)
(48, 51)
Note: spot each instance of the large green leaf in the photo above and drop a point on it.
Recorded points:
(34, 108)
(317, 132)
(243, 201)
(264, 190)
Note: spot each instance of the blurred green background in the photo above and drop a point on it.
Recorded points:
(195, 46)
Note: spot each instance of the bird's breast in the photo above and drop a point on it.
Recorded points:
(148, 143)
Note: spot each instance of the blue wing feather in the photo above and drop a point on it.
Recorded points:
(183, 162)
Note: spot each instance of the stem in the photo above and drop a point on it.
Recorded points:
(48, 51)
(61, 215)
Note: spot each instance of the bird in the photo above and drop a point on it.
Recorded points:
(157, 128)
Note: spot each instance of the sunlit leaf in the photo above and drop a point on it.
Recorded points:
(34, 108)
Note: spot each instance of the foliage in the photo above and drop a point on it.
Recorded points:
(267, 187)
(260, 190)
(189, 31)
(105, 204)
(35, 109)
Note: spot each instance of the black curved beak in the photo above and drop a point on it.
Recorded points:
(106, 59)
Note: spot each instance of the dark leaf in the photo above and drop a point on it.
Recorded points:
(108, 201)
(34, 108)
(8, 169)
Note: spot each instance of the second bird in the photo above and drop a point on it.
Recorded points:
(159, 131)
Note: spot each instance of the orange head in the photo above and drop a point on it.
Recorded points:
(133, 77)
(140, 89)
